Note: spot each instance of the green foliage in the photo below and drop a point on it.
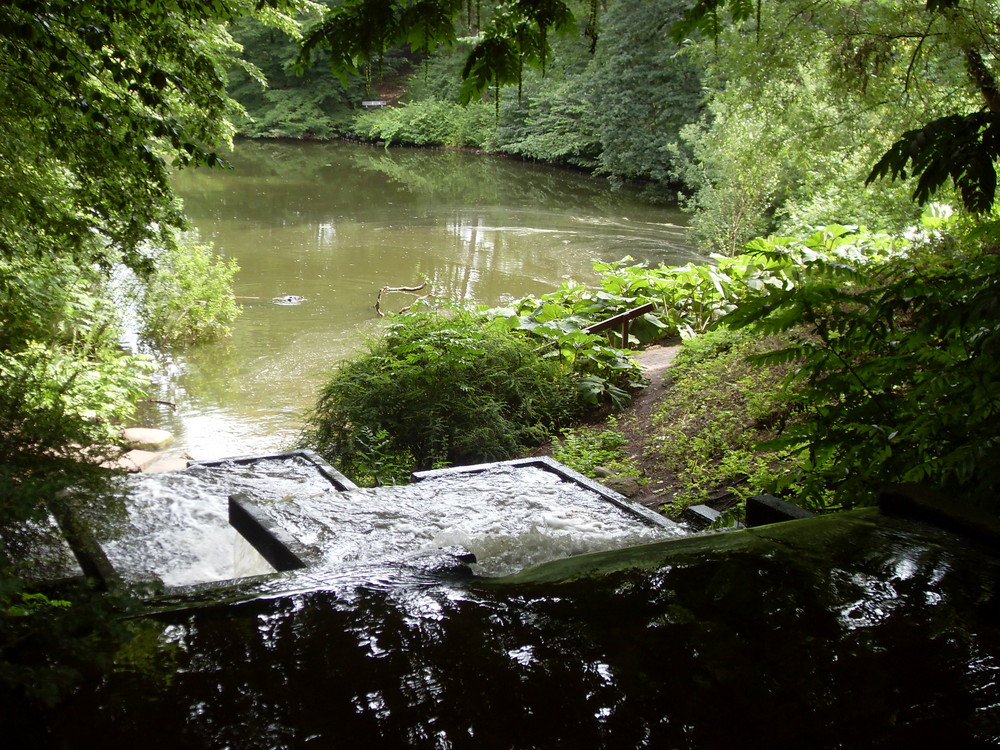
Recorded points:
(65, 387)
(687, 299)
(558, 322)
(357, 32)
(32, 603)
(553, 120)
(440, 388)
(100, 101)
(64, 380)
(896, 365)
(937, 57)
(963, 148)
(49, 646)
(284, 102)
(720, 407)
(428, 122)
(788, 151)
(584, 449)
(189, 298)
(644, 91)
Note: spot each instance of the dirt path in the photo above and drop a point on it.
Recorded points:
(634, 424)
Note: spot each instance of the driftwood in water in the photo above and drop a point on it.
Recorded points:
(171, 404)
(404, 289)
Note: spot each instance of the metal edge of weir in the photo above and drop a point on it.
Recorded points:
(337, 479)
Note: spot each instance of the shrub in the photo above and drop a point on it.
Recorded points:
(897, 370)
(429, 122)
(65, 387)
(189, 298)
(436, 389)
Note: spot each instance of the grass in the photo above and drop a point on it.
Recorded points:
(587, 448)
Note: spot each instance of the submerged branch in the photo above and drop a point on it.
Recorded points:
(405, 289)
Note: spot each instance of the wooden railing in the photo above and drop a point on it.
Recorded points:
(622, 319)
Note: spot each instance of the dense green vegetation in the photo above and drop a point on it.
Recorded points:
(438, 389)
(595, 105)
(770, 119)
(893, 345)
(895, 368)
(100, 101)
(188, 298)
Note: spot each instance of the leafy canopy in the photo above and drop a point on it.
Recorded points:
(356, 32)
(961, 147)
(99, 100)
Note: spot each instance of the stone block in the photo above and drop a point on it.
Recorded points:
(765, 509)
(700, 516)
(145, 438)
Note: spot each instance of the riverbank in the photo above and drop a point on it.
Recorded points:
(656, 482)
(694, 434)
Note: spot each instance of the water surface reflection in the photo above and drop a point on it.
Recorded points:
(746, 639)
(333, 223)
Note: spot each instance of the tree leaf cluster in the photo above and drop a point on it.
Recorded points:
(896, 370)
(357, 32)
(616, 105)
(962, 148)
(282, 100)
(911, 46)
(99, 101)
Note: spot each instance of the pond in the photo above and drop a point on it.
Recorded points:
(333, 223)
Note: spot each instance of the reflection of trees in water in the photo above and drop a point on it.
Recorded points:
(280, 183)
(737, 641)
(456, 177)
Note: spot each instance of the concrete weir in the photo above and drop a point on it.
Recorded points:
(500, 517)
(267, 523)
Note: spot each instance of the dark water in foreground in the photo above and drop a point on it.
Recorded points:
(851, 631)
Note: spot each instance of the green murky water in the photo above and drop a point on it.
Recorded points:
(333, 223)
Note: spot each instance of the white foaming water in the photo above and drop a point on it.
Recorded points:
(177, 525)
(508, 517)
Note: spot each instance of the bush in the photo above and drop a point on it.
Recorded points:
(429, 122)
(896, 368)
(436, 389)
(66, 386)
(189, 297)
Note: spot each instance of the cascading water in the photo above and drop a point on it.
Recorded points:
(176, 526)
(508, 517)
(176, 530)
